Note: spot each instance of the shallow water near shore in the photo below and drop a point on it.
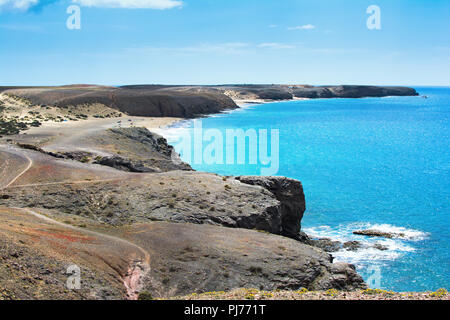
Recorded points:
(379, 163)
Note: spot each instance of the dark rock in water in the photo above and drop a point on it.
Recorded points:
(377, 233)
(303, 237)
(326, 244)
(380, 247)
(352, 245)
(292, 201)
(329, 245)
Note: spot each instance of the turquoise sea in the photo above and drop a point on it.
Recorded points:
(379, 163)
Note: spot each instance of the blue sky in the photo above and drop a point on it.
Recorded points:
(225, 41)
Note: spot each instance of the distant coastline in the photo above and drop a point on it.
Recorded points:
(186, 101)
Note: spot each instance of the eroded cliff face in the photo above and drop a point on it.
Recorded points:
(352, 92)
(289, 192)
(286, 92)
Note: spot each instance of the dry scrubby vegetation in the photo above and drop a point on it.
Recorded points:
(18, 113)
(14, 126)
(305, 294)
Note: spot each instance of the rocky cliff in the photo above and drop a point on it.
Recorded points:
(289, 193)
(191, 224)
(352, 92)
(147, 101)
(286, 92)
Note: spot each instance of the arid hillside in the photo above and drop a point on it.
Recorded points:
(162, 229)
(150, 101)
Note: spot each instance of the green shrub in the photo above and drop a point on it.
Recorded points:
(85, 159)
(439, 293)
(145, 295)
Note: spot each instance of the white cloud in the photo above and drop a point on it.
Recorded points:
(131, 4)
(272, 26)
(205, 48)
(18, 4)
(336, 50)
(304, 27)
(275, 45)
(228, 48)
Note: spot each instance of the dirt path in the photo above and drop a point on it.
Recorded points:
(139, 268)
(30, 164)
(65, 182)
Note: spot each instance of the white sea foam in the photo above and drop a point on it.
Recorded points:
(365, 255)
(173, 133)
(396, 247)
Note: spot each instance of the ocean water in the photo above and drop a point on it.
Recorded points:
(379, 163)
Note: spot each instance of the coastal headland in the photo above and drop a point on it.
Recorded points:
(85, 182)
(183, 101)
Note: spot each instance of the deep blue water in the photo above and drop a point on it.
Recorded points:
(373, 162)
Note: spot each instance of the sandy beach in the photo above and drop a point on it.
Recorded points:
(245, 102)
